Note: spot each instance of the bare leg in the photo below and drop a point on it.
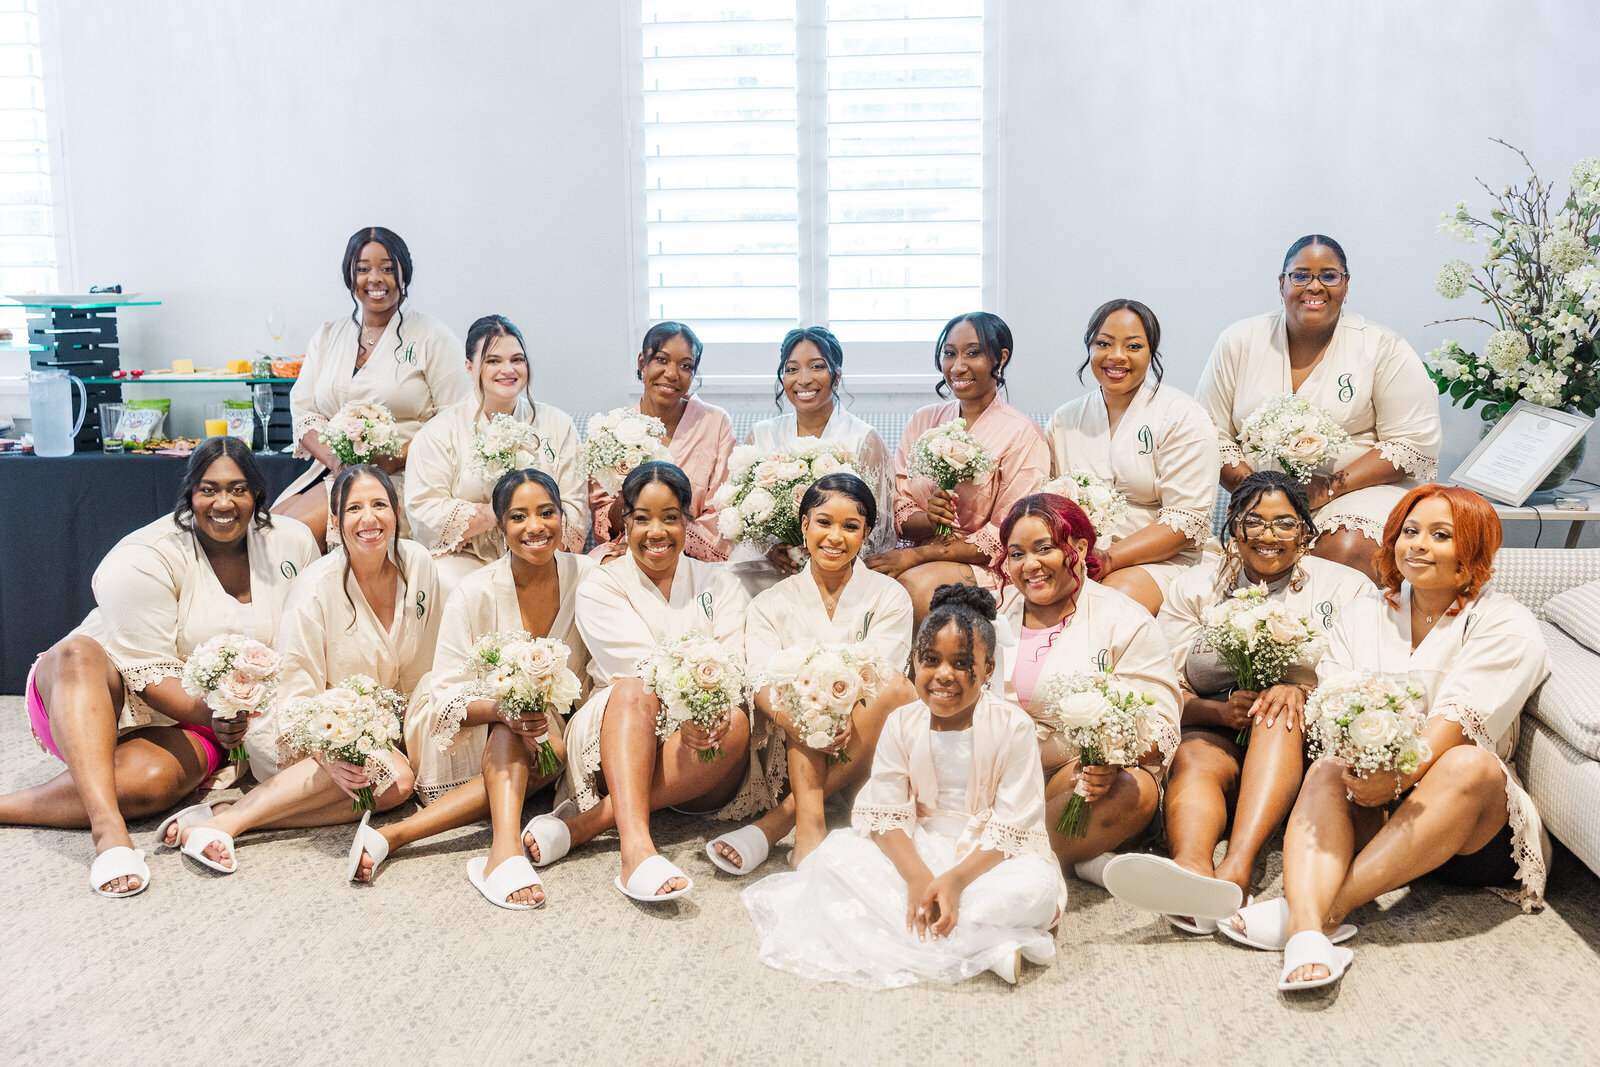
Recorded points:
(1127, 807)
(509, 775)
(922, 580)
(1273, 764)
(311, 508)
(1204, 777)
(1350, 547)
(1137, 585)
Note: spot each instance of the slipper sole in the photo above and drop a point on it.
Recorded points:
(1153, 883)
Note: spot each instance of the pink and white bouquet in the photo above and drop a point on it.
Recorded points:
(819, 685)
(1109, 723)
(360, 433)
(1103, 504)
(1368, 722)
(526, 676)
(1293, 433)
(696, 679)
(620, 440)
(237, 676)
(504, 444)
(949, 455)
(1257, 637)
(759, 504)
(352, 722)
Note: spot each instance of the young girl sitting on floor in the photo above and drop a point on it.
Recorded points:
(947, 870)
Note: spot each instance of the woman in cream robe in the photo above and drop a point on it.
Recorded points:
(108, 698)
(842, 916)
(445, 492)
(1366, 376)
(411, 365)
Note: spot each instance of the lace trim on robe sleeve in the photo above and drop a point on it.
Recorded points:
(1165, 737)
(881, 818)
(136, 677)
(452, 714)
(453, 531)
(1194, 525)
(903, 510)
(1013, 840)
(1231, 453)
(304, 424)
(1399, 454)
(703, 547)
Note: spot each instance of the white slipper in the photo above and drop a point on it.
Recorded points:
(550, 833)
(513, 874)
(1203, 927)
(1310, 946)
(748, 841)
(1093, 870)
(195, 847)
(193, 815)
(1155, 883)
(369, 841)
(1265, 926)
(119, 862)
(651, 875)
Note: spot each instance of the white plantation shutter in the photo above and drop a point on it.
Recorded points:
(817, 161)
(27, 219)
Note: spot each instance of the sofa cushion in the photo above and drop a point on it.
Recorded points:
(1569, 701)
(1577, 611)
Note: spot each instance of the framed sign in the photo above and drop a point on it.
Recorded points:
(1525, 445)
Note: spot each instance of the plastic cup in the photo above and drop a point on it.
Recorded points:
(110, 415)
(216, 427)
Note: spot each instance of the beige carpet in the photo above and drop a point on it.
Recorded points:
(284, 962)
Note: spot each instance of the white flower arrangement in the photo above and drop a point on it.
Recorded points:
(1369, 723)
(759, 504)
(1541, 276)
(1257, 638)
(502, 445)
(525, 676)
(1108, 722)
(948, 454)
(360, 433)
(620, 440)
(352, 722)
(695, 679)
(1103, 504)
(1293, 433)
(819, 685)
(237, 677)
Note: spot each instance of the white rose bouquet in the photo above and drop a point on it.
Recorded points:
(1103, 504)
(759, 504)
(1294, 433)
(1257, 638)
(949, 455)
(1106, 721)
(351, 722)
(696, 679)
(360, 433)
(503, 444)
(526, 676)
(236, 675)
(819, 685)
(619, 441)
(1367, 722)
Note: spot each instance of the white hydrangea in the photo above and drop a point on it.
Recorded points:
(1505, 350)
(1453, 278)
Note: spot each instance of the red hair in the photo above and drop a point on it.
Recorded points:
(1063, 518)
(1477, 538)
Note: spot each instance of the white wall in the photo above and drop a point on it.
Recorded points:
(219, 154)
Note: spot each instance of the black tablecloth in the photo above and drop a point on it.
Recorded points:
(58, 518)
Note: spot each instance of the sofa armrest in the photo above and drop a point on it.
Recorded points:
(1534, 575)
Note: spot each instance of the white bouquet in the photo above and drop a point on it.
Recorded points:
(949, 455)
(360, 433)
(1103, 504)
(818, 686)
(504, 444)
(352, 722)
(759, 504)
(1293, 433)
(1257, 638)
(236, 675)
(695, 679)
(1107, 722)
(526, 676)
(1367, 722)
(619, 441)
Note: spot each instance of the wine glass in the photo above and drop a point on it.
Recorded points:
(263, 400)
(275, 323)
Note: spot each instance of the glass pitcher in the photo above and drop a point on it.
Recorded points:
(50, 409)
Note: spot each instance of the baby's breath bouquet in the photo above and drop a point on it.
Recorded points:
(504, 444)
(360, 433)
(759, 504)
(620, 440)
(695, 679)
(1101, 503)
(1107, 722)
(353, 722)
(1539, 276)
(1257, 637)
(819, 685)
(526, 676)
(1370, 723)
(948, 454)
(1293, 433)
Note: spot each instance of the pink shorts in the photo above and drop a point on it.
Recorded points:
(39, 719)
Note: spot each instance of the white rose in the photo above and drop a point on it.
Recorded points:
(758, 505)
(729, 524)
(820, 739)
(1374, 728)
(823, 466)
(630, 432)
(785, 665)
(1283, 629)
(1305, 446)
(724, 495)
(1082, 710)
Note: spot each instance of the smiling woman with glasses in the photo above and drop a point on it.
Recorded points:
(1367, 377)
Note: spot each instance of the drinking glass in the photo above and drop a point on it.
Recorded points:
(262, 396)
(275, 323)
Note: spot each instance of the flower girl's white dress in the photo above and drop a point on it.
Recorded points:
(842, 915)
